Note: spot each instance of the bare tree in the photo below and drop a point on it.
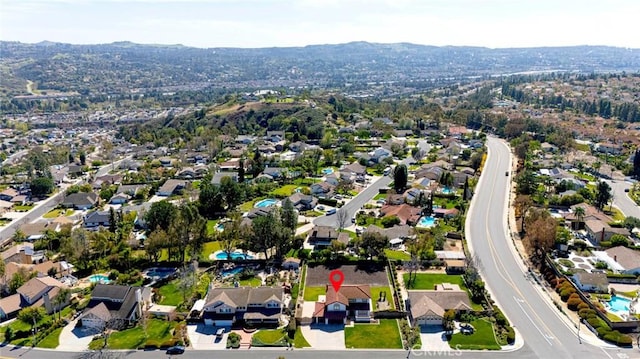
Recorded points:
(342, 216)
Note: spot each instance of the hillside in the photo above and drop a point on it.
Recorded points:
(124, 67)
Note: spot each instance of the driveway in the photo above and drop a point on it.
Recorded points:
(324, 336)
(433, 338)
(203, 337)
(76, 339)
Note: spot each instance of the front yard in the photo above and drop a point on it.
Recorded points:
(159, 333)
(269, 338)
(363, 336)
(482, 338)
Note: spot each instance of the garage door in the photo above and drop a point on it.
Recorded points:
(430, 321)
(218, 323)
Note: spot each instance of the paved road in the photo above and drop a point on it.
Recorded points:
(543, 330)
(107, 168)
(355, 204)
(621, 198)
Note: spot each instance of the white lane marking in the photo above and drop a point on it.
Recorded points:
(546, 337)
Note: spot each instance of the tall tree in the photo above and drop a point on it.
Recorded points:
(154, 243)
(210, 200)
(400, 177)
(541, 232)
(342, 216)
(160, 214)
(289, 215)
(636, 164)
(603, 195)
(231, 192)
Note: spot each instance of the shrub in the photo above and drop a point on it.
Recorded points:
(603, 331)
(233, 340)
(511, 336)
(583, 305)
(594, 322)
(565, 293)
(573, 303)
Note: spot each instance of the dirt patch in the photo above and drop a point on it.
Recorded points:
(374, 275)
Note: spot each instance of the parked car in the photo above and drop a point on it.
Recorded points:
(219, 333)
(177, 349)
(331, 211)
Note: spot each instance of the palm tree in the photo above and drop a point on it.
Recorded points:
(60, 299)
(579, 213)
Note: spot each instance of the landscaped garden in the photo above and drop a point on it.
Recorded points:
(159, 333)
(57, 212)
(375, 295)
(397, 255)
(482, 338)
(383, 335)
(269, 338)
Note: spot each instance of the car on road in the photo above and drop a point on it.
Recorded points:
(177, 349)
(626, 190)
(331, 211)
(320, 208)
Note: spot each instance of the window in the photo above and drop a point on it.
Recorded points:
(336, 307)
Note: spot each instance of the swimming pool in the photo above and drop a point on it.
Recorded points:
(232, 271)
(447, 190)
(220, 227)
(327, 171)
(619, 304)
(159, 272)
(221, 255)
(266, 203)
(99, 278)
(427, 222)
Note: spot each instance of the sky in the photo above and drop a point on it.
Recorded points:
(268, 23)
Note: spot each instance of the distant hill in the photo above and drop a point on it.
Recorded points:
(124, 66)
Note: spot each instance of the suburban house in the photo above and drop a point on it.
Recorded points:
(81, 200)
(350, 302)
(218, 176)
(291, 263)
(406, 213)
(97, 219)
(355, 168)
(8, 194)
(621, 259)
(275, 173)
(591, 282)
(322, 236)
(600, 231)
(303, 202)
(396, 234)
(427, 307)
(36, 292)
(107, 180)
(322, 189)
(115, 305)
(120, 198)
(171, 186)
(23, 253)
(260, 306)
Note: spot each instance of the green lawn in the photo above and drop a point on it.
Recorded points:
(481, 339)
(52, 214)
(380, 196)
(52, 340)
(383, 335)
(284, 191)
(395, 255)
(157, 329)
(22, 208)
(375, 294)
(211, 226)
(311, 293)
(251, 282)
(208, 248)
(170, 293)
(269, 337)
(299, 341)
(429, 280)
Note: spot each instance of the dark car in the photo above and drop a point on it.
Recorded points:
(175, 350)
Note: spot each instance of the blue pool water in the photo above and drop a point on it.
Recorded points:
(327, 171)
(159, 272)
(220, 227)
(427, 222)
(231, 272)
(619, 304)
(266, 203)
(235, 255)
(447, 190)
(99, 278)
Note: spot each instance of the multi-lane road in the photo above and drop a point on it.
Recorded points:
(545, 332)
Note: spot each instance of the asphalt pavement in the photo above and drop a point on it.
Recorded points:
(621, 198)
(544, 330)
